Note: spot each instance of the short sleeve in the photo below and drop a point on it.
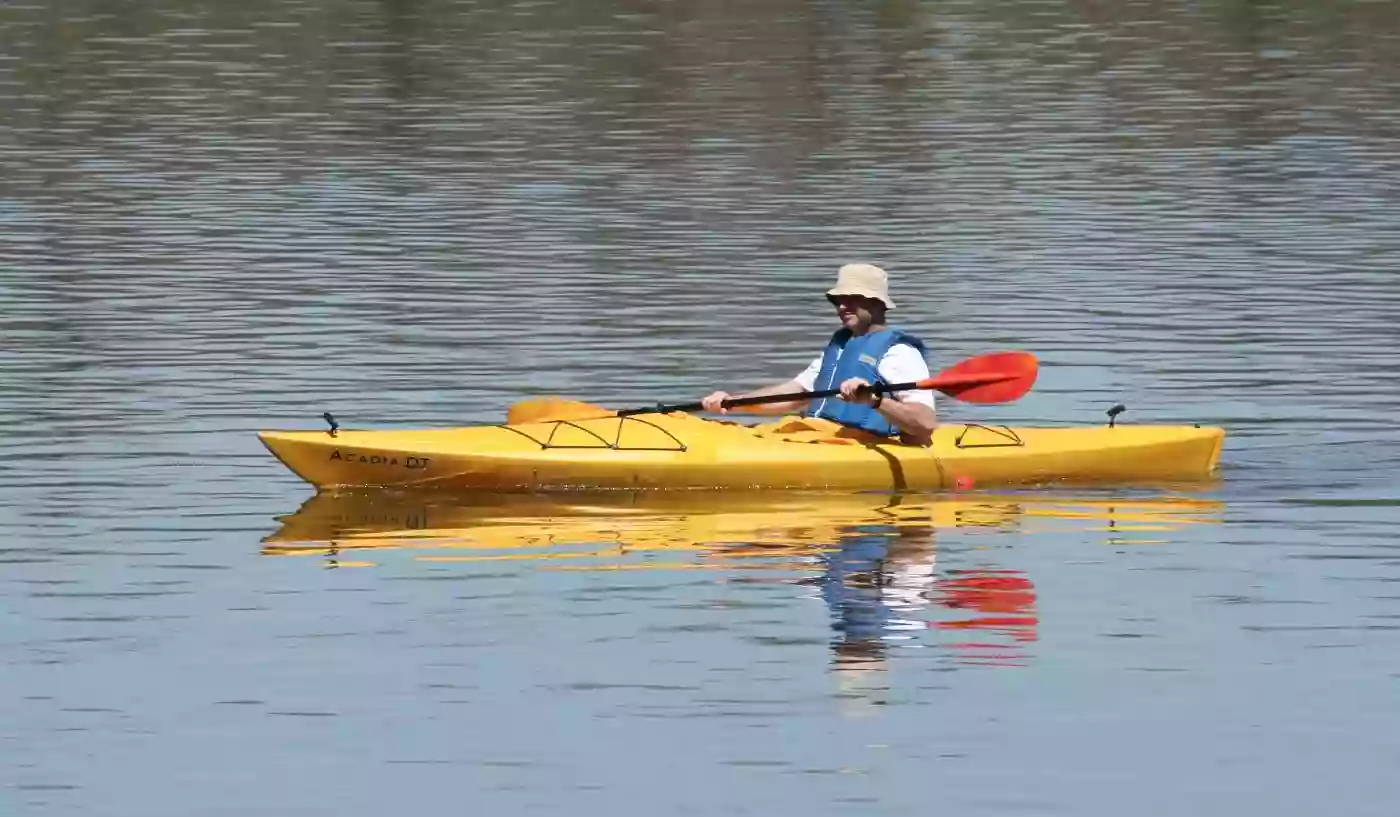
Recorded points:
(903, 364)
(808, 379)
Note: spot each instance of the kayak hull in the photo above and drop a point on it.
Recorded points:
(681, 451)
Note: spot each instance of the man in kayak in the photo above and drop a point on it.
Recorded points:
(863, 352)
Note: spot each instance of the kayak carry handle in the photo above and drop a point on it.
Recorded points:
(1114, 412)
(330, 419)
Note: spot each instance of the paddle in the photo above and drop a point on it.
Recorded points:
(999, 377)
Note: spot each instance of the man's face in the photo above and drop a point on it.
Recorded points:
(856, 312)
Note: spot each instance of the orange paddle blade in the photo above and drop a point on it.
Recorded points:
(551, 409)
(999, 377)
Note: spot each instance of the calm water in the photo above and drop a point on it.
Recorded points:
(219, 217)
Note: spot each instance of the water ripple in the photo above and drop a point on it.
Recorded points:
(217, 218)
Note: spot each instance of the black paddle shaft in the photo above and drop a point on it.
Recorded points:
(661, 408)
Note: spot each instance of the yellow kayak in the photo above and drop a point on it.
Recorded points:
(678, 450)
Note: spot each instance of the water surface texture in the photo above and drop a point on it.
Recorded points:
(223, 217)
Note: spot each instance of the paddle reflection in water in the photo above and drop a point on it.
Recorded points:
(872, 559)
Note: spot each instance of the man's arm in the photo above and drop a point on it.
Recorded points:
(802, 383)
(915, 421)
(712, 402)
(914, 412)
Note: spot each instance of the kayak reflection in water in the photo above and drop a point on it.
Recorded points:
(880, 588)
(864, 351)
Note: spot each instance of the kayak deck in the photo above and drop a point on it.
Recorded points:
(668, 451)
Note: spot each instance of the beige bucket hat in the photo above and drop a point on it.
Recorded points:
(863, 279)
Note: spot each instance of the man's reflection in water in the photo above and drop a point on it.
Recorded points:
(883, 590)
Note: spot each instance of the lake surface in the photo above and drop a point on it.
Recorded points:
(217, 218)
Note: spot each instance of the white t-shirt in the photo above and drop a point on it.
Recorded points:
(901, 364)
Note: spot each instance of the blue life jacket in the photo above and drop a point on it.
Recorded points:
(858, 357)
